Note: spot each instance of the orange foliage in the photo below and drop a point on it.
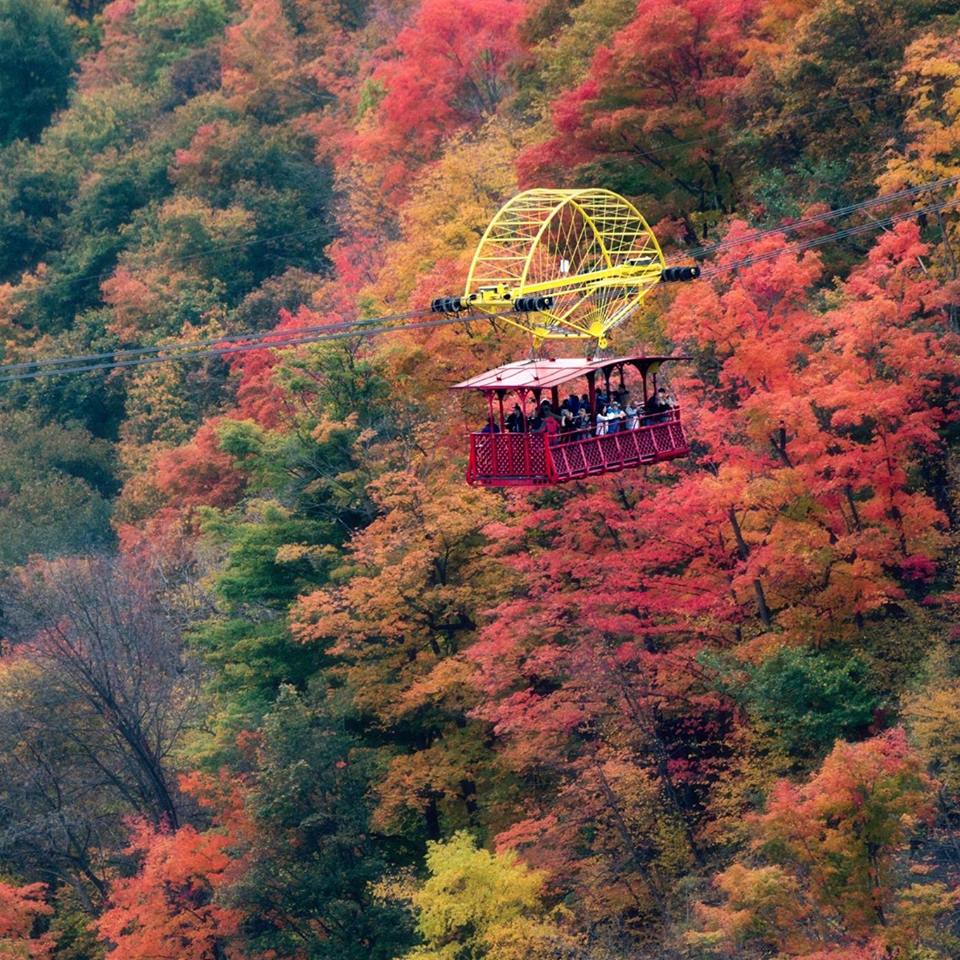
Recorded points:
(199, 473)
(663, 82)
(118, 51)
(169, 908)
(449, 70)
(834, 838)
(20, 907)
(399, 623)
(258, 57)
(843, 826)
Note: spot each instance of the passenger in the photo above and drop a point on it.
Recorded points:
(631, 416)
(574, 404)
(603, 422)
(663, 405)
(614, 415)
(566, 426)
(515, 420)
(585, 402)
(551, 424)
(551, 427)
(491, 427)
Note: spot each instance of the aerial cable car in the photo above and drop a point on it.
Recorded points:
(567, 265)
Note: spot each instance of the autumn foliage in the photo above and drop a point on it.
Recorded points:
(276, 683)
(168, 907)
(20, 910)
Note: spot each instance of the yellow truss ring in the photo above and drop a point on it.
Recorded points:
(591, 251)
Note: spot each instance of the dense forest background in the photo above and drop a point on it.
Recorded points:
(275, 683)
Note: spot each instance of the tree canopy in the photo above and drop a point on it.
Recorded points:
(276, 684)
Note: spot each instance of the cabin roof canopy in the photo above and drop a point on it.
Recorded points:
(546, 373)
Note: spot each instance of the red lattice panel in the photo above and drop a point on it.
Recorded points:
(538, 455)
(522, 459)
(483, 455)
(677, 440)
(591, 454)
(645, 444)
(629, 446)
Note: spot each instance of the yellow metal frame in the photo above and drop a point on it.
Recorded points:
(591, 250)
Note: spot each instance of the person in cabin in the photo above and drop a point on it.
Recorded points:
(631, 416)
(614, 417)
(602, 422)
(490, 427)
(515, 420)
(665, 404)
(660, 405)
(549, 421)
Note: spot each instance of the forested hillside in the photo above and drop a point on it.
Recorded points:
(276, 684)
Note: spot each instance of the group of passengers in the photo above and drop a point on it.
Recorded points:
(615, 411)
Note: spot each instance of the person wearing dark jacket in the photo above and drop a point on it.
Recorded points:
(515, 420)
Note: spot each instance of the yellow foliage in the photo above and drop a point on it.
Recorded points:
(484, 906)
(921, 912)
(450, 208)
(761, 904)
(933, 717)
(930, 77)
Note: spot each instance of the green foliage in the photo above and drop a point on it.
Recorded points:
(55, 484)
(73, 930)
(36, 62)
(257, 568)
(250, 660)
(270, 556)
(342, 382)
(171, 28)
(808, 699)
(785, 193)
(316, 473)
(565, 53)
(821, 103)
(51, 210)
(314, 862)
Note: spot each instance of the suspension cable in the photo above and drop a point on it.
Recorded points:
(376, 326)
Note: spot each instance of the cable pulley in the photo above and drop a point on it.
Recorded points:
(448, 305)
(679, 274)
(532, 304)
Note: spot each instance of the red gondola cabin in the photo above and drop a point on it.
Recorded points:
(526, 456)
